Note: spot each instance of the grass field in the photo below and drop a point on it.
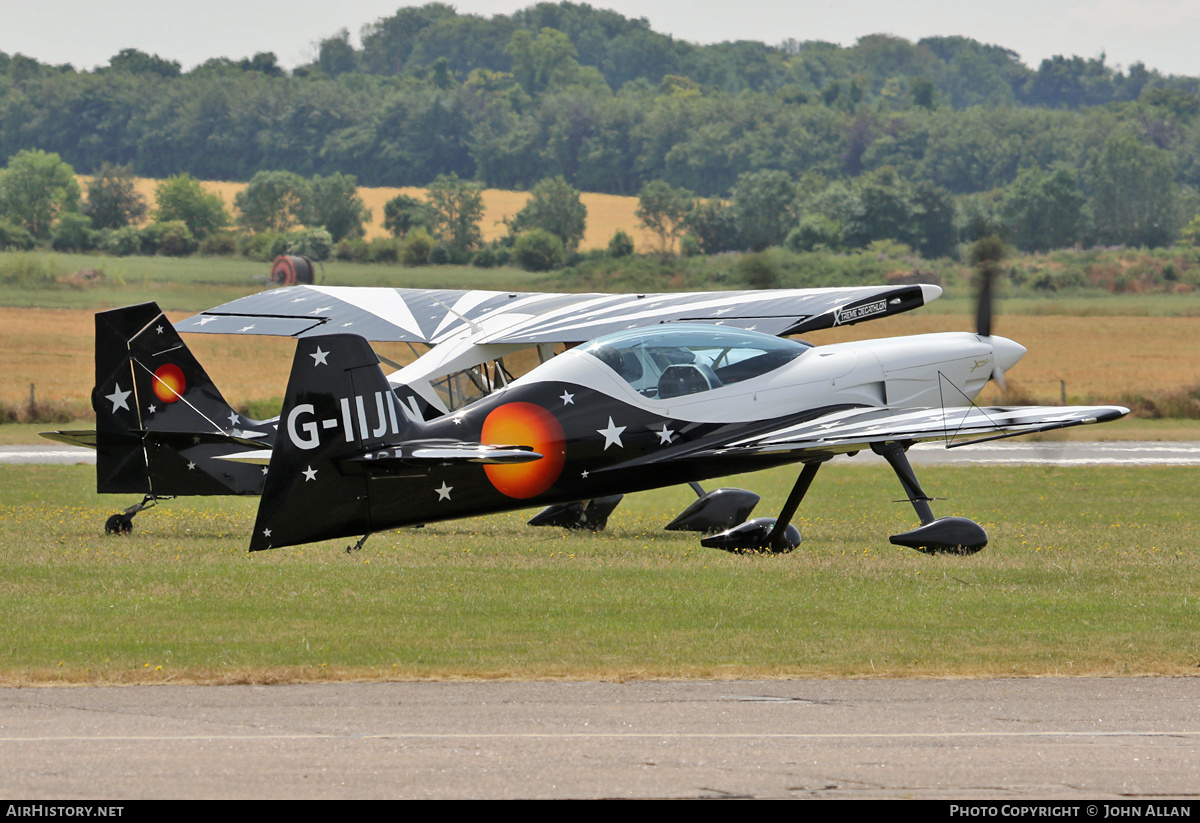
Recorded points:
(1090, 572)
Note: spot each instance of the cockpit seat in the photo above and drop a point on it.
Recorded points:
(686, 378)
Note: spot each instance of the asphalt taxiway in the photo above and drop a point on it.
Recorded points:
(1021, 739)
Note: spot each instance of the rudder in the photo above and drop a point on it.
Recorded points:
(161, 422)
(338, 407)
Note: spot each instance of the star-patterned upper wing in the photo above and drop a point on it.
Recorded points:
(432, 315)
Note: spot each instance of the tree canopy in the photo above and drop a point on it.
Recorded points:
(113, 200)
(456, 207)
(182, 198)
(35, 188)
(609, 105)
(556, 207)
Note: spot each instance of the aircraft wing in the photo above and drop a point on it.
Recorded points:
(433, 315)
(957, 426)
(851, 429)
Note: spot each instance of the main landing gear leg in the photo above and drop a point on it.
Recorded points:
(943, 535)
(123, 523)
(768, 534)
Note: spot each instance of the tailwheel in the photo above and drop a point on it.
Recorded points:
(123, 523)
(119, 524)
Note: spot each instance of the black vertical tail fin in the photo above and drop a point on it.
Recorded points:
(160, 420)
(338, 406)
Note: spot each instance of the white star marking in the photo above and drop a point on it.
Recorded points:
(233, 418)
(264, 469)
(323, 308)
(245, 328)
(584, 474)
(612, 435)
(458, 419)
(319, 357)
(118, 398)
(664, 436)
(152, 409)
(266, 532)
(158, 329)
(444, 492)
(567, 398)
(309, 474)
(191, 466)
(204, 320)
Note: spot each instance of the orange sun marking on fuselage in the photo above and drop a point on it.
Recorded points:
(169, 383)
(524, 424)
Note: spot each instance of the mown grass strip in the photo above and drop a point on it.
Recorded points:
(1091, 571)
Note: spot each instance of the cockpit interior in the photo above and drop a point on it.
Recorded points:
(676, 360)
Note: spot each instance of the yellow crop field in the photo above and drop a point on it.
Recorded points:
(52, 349)
(606, 213)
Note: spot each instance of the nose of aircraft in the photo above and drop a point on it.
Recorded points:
(1008, 353)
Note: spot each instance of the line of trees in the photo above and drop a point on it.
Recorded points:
(603, 101)
(731, 146)
(41, 202)
(1135, 202)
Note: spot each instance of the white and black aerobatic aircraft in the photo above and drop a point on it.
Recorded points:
(662, 389)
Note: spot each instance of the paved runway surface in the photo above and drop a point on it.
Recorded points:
(1059, 453)
(1048, 738)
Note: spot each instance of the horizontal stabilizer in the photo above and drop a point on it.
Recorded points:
(447, 453)
(72, 438)
(258, 457)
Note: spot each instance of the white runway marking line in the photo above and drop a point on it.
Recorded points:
(46, 455)
(606, 735)
(1084, 461)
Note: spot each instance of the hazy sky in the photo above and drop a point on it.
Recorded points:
(1160, 33)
